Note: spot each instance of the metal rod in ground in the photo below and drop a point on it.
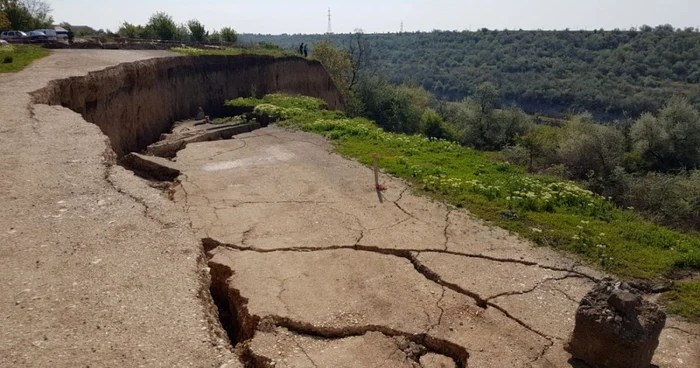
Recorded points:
(376, 171)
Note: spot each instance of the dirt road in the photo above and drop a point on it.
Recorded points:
(303, 241)
(96, 268)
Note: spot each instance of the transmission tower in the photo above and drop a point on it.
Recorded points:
(330, 28)
(401, 27)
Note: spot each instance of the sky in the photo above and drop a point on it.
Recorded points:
(311, 16)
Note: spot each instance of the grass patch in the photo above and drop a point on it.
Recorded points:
(17, 57)
(684, 300)
(550, 211)
(234, 51)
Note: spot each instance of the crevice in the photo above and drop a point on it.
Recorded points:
(684, 331)
(566, 295)
(396, 203)
(537, 286)
(108, 163)
(241, 325)
(447, 228)
(210, 244)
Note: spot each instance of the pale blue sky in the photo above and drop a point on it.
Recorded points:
(309, 16)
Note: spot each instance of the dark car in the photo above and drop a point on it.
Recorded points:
(37, 36)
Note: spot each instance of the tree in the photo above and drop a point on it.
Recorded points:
(359, 50)
(129, 30)
(337, 62)
(487, 96)
(228, 35)
(162, 26)
(650, 139)
(4, 21)
(590, 150)
(197, 30)
(540, 142)
(27, 14)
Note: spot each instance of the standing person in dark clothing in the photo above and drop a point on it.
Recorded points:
(306, 50)
(70, 36)
(301, 49)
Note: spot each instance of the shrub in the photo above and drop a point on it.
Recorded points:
(8, 59)
(228, 35)
(669, 199)
(433, 126)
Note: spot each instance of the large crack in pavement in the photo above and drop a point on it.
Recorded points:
(242, 325)
(211, 244)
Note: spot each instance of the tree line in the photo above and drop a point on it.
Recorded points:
(162, 26)
(612, 74)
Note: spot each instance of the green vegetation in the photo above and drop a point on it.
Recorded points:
(549, 211)
(25, 15)
(684, 300)
(161, 26)
(608, 73)
(233, 51)
(18, 57)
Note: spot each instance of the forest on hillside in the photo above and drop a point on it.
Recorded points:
(611, 74)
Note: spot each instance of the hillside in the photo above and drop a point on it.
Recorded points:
(609, 73)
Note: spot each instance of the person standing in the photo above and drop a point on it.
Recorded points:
(301, 49)
(306, 50)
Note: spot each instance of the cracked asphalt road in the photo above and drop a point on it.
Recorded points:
(303, 241)
(83, 243)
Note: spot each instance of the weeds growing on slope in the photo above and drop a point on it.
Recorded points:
(547, 210)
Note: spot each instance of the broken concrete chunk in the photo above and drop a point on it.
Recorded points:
(184, 133)
(151, 167)
(432, 360)
(616, 328)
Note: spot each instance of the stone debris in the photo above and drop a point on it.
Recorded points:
(193, 131)
(616, 327)
(151, 166)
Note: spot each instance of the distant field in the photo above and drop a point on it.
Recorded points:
(21, 55)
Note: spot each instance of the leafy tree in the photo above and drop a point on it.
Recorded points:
(228, 35)
(336, 61)
(590, 150)
(162, 26)
(541, 142)
(671, 140)
(4, 21)
(197, 30)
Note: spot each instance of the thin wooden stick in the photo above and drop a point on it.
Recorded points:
(376, 171)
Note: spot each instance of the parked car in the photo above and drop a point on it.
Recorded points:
(14, 36)
(50, 33)
(37, 37)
